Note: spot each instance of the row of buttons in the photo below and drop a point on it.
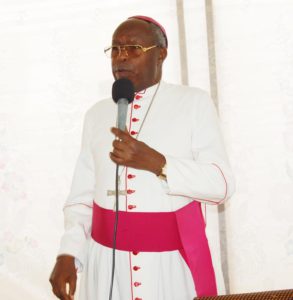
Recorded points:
(135, 269)
(132, 132)
(130, 191)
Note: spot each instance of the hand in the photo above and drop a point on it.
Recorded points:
(129, 152)
(64, 272)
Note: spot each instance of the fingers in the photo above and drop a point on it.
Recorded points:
(122, 152)
(116, 159)
(72, 287)
(64, 293)
(123, 146)
(61, 292)
(121, 135)
(130, 152)
(119, 145)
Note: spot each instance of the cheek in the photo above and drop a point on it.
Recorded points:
(150, 71)
(139, 71)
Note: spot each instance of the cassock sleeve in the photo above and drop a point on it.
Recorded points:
(78, 206)
(206, 177)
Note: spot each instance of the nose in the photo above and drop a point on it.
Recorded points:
(123, 53)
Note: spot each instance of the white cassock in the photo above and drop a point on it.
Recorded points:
(182, 125)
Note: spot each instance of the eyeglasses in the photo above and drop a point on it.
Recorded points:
(130, 50)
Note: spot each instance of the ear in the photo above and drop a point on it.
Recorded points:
(163, 54)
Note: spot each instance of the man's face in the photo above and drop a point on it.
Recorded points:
(144, 70)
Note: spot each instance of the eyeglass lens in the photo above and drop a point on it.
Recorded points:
(131, 50)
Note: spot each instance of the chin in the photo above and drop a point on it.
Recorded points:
(126, 76)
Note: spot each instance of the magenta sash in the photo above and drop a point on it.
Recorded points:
(182, 230)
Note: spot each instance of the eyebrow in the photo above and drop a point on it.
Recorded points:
(128, 42)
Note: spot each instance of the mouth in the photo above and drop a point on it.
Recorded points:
(121, 72)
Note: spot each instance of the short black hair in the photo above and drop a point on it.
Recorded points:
(160, 37)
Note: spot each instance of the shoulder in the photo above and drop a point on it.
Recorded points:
(176, 94)
(100, 109)
(183, 89)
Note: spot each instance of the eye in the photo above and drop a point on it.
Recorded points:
(134, 50)
(115, 50)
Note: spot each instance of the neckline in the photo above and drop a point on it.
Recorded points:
(148, 92)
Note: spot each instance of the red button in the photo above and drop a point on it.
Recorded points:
(129, 191)
(138, 298)
(136, 106)
(131, 206)
(135, 252)
(136, 284)
(134, 120)
(136, 268)
(137, 97)
(133, 132)
(130, 176)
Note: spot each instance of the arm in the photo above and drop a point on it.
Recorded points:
(205, 177)
(77, 220)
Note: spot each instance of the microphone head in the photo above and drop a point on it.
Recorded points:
(123, 88)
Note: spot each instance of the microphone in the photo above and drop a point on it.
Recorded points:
(122, 94)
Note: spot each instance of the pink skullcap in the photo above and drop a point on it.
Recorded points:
(151, 20)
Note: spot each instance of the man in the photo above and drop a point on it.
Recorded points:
(172, 162)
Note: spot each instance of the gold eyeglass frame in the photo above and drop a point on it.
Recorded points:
(144, 49)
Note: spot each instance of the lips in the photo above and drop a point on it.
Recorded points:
(121, 71)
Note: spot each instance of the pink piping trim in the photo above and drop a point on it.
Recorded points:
(126, 169)
(131, 280)
(130, 116)
(209, 200)
(226, 185)
(126, 208)
(126, 198)
(141, 92)
(68, 205)
(226, 189)
(130, 261)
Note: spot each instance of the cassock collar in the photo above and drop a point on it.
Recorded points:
(147, 93)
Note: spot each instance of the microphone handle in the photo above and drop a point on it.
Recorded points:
(122, 113)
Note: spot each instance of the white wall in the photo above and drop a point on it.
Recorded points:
(254, 42)
(52, 69)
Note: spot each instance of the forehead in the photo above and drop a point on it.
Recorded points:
(133, 31)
